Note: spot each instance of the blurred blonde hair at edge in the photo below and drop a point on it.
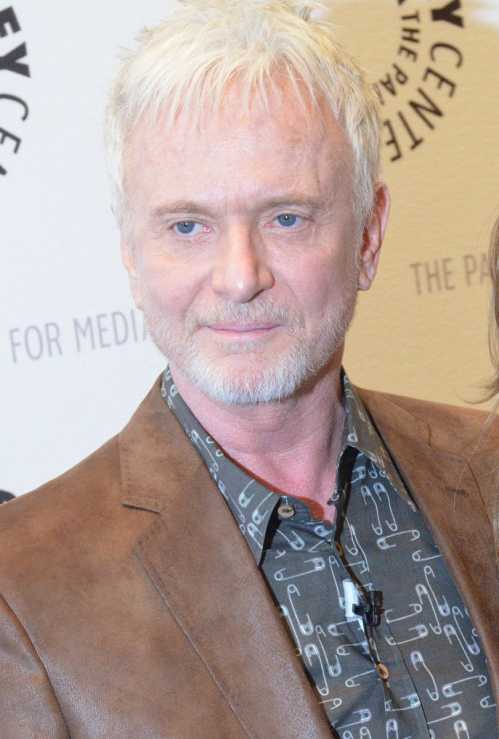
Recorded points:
(493, 386)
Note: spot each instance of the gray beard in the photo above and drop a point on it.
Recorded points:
(262, 381)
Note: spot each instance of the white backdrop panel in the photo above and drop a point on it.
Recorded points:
(74, 361)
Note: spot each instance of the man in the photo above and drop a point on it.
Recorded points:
(264, 551)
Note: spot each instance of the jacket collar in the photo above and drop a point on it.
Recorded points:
(206, 576)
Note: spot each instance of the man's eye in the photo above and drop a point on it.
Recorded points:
(288, 220)
(187, 228)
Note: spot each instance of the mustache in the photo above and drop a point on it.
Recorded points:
(254, 312)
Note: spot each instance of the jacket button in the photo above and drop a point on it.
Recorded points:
(285, 511)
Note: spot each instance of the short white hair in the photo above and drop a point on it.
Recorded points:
(185, 64)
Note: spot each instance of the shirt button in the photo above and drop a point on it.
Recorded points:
(382, 671)
(285, 511)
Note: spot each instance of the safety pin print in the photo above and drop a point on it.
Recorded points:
(353, 680)
(412, 703)
(451, 711)
(321, 531)
(332, 703)
(389, 541)
(453, 636)
(352, 438)
(317, 564)
(306, 627)
(359, 473)
(210, 441)
(461, 729)
(258, 516)
(334, 630)
(380, 492)
(243, 499)
(375, 498)
(334, 669)
(417, 556)
(392, 729)
(418, 662)
(343, 650)
(368, 497)
(421, 633)
(255, 533)
(311, 651)
(364, 733)
(205, 451)
(354, 549)
(422, 591)
(414, 610)
(321, 545)
(487, 702)
(443, 604)
(294, 540)
(335, 565)
(449, 690)
(472, 645)
(364, 716)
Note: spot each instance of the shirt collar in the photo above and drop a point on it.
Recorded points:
(360, 433)
(250, 502)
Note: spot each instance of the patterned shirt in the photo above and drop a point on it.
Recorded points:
(410, 667)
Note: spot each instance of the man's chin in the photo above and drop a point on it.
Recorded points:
(242, 380)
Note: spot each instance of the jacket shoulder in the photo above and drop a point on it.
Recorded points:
(77, 488)
(459, 430)
(72, 518)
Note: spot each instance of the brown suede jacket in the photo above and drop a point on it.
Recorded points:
(114, 576)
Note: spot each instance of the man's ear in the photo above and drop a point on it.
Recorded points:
(372, 237)
(128, 257)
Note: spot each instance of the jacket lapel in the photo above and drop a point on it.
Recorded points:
(205, 574)
(444, 488)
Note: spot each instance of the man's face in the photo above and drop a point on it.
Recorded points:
(244, 252)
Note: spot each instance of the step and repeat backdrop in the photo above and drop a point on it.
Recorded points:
(75, 356)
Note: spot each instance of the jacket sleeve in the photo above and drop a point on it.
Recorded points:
(28, 704)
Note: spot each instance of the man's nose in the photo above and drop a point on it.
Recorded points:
(241, 270)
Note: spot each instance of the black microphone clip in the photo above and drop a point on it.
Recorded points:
(372, 609)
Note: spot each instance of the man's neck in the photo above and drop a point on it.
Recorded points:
(292, 445)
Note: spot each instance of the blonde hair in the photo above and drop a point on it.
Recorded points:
(493, 387)
(185, 63)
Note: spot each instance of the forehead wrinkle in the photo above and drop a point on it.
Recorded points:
(306, 124)
(312, 150)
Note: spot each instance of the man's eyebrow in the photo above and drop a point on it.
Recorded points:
(178, 206)
(193, 207)
(293, 199)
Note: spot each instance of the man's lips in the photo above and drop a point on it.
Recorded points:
(242, 329)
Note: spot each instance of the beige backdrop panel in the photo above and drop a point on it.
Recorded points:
(74, 358)
(422, 329)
